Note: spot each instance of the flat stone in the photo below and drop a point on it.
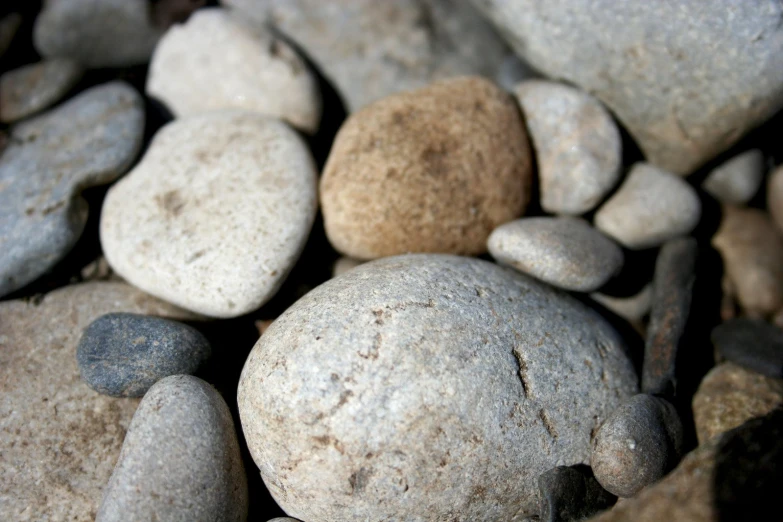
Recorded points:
(729, 395)
(369, 49)
(570, 493)
(123, 355)
(650, 207)
(672, 74)
(752, 343)
(637, 445)
(35, 87)
(431, 170)
(59, 439)
(215, 61)
(427, 384)
(109, 33)
(631, 308)
(90, 140)
(737, 180)
(775, 196)
(752, 252)
(578, 147)
(9, 25)
(216, 213)
(564, 252)
(180, 460)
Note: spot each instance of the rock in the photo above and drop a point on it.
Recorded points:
(729, 395)
(180, 459)
(631, 308)
(32, 88)
(343, 264)
(650, 207)
(215, 62)
(564, 252)
(427, 384)
(737, 180)
(775, 196)
(752, 252)
(59, 438)
(216, 213)
(432, 170)
(578, 147)
(670, 73)
(752, 343)
(9, 24)
(637, 445)
(370, 49)
(99, 270)
(90, 140)
(568, 493)
(122, 354)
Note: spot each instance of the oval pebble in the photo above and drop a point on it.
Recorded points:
(32, 88)
(738, 179)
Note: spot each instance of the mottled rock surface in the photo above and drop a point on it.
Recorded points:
(737, 180)
(32, 88)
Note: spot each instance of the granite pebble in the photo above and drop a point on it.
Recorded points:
(736, 180)
(571, 494)
(752, 343)
(35, 87)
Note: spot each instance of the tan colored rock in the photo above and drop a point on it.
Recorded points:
(431, 170)
(775, 196)
(752, 252)
(59, 440)
(729, 395)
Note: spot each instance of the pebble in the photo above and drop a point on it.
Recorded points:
(122, 354)
(216, 213)
(670, 73)
(215, 61)
(427, 383)
(59, 439)
(370, 49)
(637, 445)
(737, 180)
(569, 493)
(752, 252)
(9, 24)
(730, 395)
(431, 170)
(180, 459)
(564, 252)
(650, 207)
(752, 343)
(577, 144)
(35, 87)
(775, 196)
(631, 308)
(88, 141)
(343, 264)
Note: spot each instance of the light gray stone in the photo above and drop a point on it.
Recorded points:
(632, 308)
(216, 213)
(370, 49)
(33, 88)
(427, 387)
(90, 140)
(215, 61)
(650, 207)
(578, 147)
(180, 460)
(564, 252)
(738, 179)
(686, 78)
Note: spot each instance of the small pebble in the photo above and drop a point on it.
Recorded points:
(631, 308)
(637, 445)
(571, 494)
(577, 144)
(752, 343)
(343, 264)
(737, 180)
(564, 252)
(775, 196)
(35, 87)
(180, 459)
(122, 355)
(650, 207)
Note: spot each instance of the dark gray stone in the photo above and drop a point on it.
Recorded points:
(33, 88)
(571, 494)
(755, 344)
(123, 355)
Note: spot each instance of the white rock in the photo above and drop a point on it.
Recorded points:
(738, 179)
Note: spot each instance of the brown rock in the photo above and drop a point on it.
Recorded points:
(752, 252)
(59, 440)
(729, 395)
(430, 170)
(775, 196)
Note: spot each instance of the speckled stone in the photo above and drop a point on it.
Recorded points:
(431, 170)
(122, 355)
(216, 213)
(578, 147)
(564, 252)
(775, 196)
(738, 179)
(671, 72)
(427, 386)
(215, 61)
(650, 207)
(631, 308)
(32, 88)
(59, 439)
(180, 460)
(90, 140)
(752, 343)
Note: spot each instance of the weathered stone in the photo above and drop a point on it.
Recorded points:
(737, 180)
(33, 88)
(752, 343)
(571, 494)
(775, 197)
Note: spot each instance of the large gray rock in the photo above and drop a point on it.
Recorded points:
(687, 78)
(427, 387)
